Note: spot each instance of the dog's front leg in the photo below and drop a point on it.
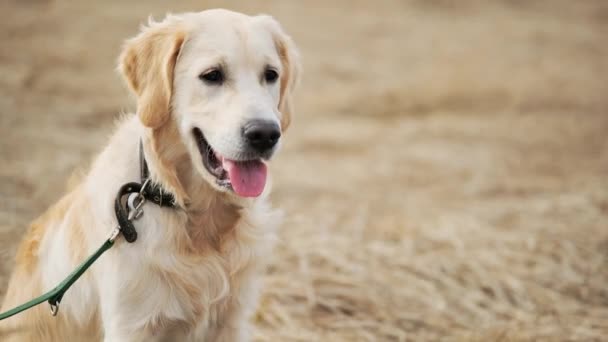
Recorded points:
(122, 320)
(126, 318)
(233, 328)
(233, 322)
(118, 336)
(117, 332)
(121, 330)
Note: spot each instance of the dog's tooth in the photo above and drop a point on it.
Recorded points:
(224, 182)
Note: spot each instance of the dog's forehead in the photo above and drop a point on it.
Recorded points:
(230, 38)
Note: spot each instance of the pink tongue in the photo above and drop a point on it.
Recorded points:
(248, 178)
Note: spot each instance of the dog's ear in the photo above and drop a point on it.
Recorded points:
(147, 62)
(290, 75)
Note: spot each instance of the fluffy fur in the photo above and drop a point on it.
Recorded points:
(191, 275)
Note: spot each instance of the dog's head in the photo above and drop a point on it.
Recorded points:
(224, 80)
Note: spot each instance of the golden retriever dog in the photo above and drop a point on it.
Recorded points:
(213, 97)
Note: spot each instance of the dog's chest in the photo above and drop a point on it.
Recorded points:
(200, 282)
(199, 271)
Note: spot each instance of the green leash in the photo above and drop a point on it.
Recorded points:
(54, 296)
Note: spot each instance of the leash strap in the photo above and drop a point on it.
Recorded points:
(122, 214)
(55, 295)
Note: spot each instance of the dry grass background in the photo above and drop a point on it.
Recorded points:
(446, 177)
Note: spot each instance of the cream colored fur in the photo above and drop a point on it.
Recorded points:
(192, 273)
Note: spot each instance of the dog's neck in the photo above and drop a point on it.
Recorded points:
(211, 214)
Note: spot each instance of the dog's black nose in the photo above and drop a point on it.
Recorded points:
(261, 135)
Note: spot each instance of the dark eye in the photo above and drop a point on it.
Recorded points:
(212, 77)
(270, 75)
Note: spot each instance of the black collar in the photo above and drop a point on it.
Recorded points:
(147, 190)
(153, 192)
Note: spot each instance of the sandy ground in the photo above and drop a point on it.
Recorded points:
(446, 176)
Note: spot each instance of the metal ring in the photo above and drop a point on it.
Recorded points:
(143, 187)
(142, 200)
(54, 309)
(114, 234)
(135, 210)
(133, 200)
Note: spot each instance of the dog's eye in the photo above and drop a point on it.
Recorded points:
(212, 77)
(270, 75)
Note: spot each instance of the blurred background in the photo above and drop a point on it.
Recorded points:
(446, 174)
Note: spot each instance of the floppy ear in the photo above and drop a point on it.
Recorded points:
(147, 63)
(290, 76)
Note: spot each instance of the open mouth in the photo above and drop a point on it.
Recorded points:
(247, 178)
